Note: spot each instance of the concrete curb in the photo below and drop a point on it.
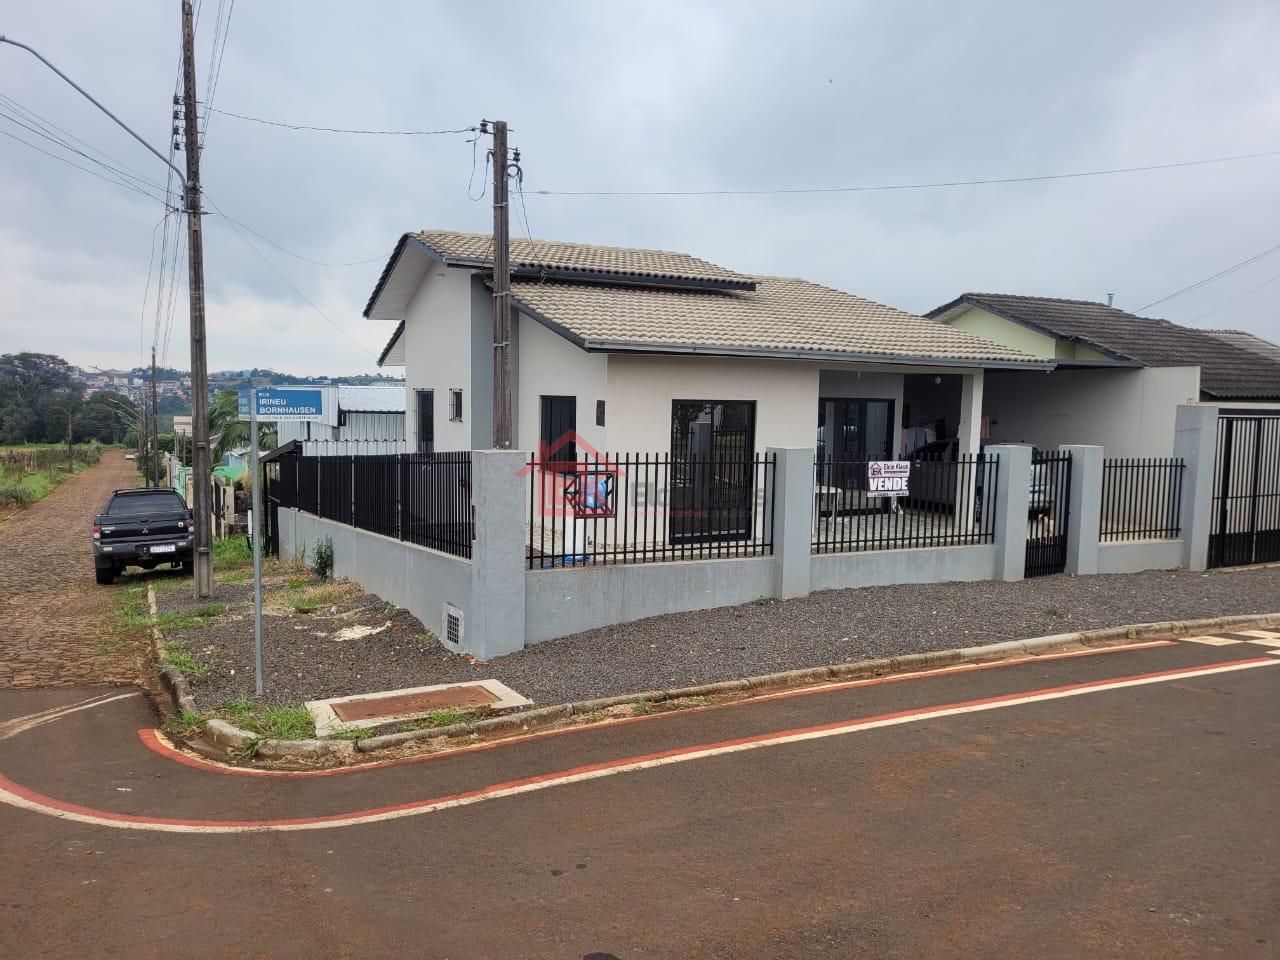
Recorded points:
(233, 739)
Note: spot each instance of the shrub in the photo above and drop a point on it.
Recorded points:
(322, 558)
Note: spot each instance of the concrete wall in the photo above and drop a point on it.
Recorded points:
(416, 578)
(1135, 556)
(839, 571)
(1128, 411)
(567, 601)
(438, 339)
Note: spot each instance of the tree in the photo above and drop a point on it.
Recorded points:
(229, 432)
(36, 392)
(107, 417)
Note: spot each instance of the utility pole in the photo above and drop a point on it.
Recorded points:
(501, 292)
(155, 421)
(144, 438)
(200, 466)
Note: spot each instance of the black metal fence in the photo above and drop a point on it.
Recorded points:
(949, 502)
(641, 508)
(1246, 491)
(422, 498)
(1048, 514)
(1141, 498)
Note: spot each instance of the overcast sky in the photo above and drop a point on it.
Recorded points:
(648, 96)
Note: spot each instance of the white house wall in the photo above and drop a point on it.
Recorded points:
(438, 354)
(552, 366)
(641, 389)
(1130, 412)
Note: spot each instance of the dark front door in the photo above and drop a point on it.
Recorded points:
(712, 480)
(426, 414)
(851, 432)
(558, 429)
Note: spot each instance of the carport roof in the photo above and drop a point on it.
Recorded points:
(1227, 371)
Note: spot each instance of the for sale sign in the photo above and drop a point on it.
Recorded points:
(888, 478)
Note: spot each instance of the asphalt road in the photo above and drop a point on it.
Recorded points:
(1118, 804)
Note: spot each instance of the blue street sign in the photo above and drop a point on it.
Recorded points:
(285, 403)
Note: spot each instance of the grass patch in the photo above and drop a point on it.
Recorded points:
(446, 717)
(302, 604)
(233, 576)
(641, 707)
(213, 609)
(231, 552)
(170, 584)
(128, 622)
(279, 722)
(1052, 610)
(191, 666)
(184, 724)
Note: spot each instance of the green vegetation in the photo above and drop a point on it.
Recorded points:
(445, 717)
(302, 604)
(279, 722)
(232, 576)
(28, 473)
(184, 724)
(1053, 611)
(229, 431)
(231, 552)
(641, 707)
(191, 666)
(41, 401)
(322, 558)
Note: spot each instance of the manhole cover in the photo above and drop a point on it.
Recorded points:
(394, 706)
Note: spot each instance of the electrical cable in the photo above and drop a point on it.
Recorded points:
(1217, 276)
(319, 129)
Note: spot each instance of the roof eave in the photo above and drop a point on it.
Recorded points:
(840, 356)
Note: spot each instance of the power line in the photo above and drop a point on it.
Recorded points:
(1221, 273)
(70, 163)
(263, 257)
(371, 133)
(215, 62)
(903, 186)
(297, 256)
(1240, 299)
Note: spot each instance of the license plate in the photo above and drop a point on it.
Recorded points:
(163, 548)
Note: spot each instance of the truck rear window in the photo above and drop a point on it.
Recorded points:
(161, 501)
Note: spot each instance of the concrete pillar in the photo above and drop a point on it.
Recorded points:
(1084, 517)
(791, 505)
(1012, 500)
(499, 486)
(969, 443)
(1195, 440)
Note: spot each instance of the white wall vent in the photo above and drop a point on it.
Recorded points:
(452, 626)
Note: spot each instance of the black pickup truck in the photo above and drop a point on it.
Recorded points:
(141, 528)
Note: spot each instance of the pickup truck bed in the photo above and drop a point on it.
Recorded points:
(141, 528)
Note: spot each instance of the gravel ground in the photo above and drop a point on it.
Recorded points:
(305, 662)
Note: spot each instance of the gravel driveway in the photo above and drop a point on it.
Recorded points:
(762, 637)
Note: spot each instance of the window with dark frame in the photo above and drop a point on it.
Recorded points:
(455, 405)
(426, 421)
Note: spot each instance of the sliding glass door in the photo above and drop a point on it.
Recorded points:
(850, 432)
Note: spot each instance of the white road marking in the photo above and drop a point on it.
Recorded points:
(1212, 641)
(11, 728)
(28, 800)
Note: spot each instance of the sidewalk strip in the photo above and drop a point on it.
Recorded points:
(19, 796)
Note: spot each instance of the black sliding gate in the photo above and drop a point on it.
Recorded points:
(1246, 492)
(1048, 514)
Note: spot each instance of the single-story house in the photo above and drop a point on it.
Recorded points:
(1118, 378)
(649, 351)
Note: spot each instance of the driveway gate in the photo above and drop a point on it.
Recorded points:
(1048, 513)
(1246, 492)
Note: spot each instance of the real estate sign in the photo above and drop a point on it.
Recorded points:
(888, 478)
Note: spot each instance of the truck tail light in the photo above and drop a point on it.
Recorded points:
(97, 531)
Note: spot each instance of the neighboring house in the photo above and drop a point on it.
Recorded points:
(663, 353)
(369, 419)
(1118, 378)
(1248, 341)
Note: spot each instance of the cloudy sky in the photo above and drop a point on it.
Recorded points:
(644, 96)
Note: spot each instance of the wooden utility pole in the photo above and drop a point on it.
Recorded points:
(155, 423)
(501, 293)
(201, 468)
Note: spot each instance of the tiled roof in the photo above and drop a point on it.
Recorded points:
(1248, 341)
(1227, 371)
(781, 317)
(569, 260)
